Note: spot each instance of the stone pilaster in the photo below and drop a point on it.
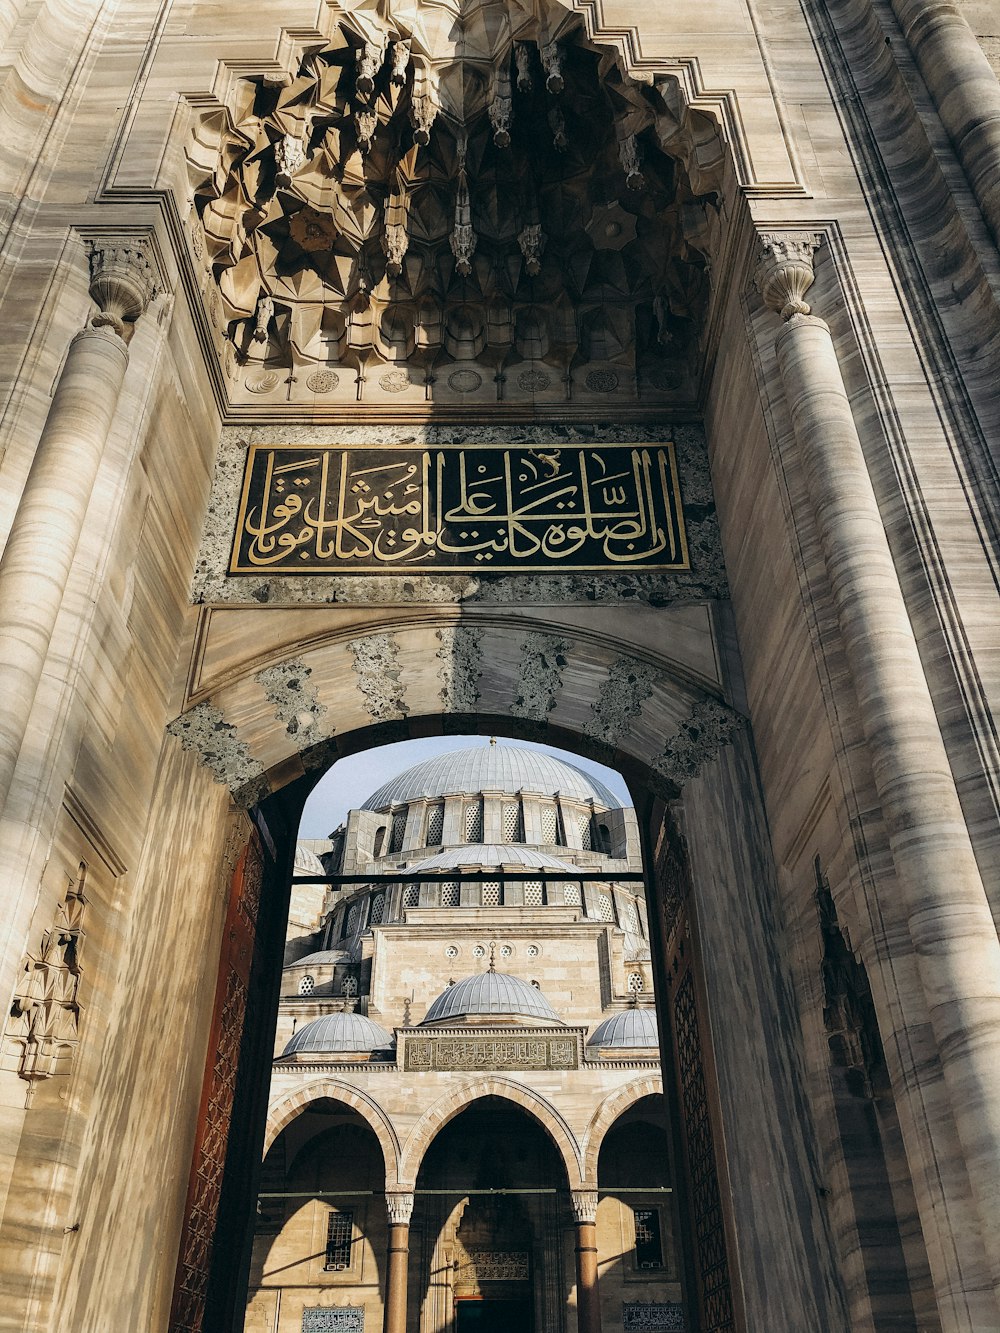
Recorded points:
(939, 890)
(45, 534)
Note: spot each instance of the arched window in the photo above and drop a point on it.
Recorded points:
(604, 839)
(379, 842)
(398, 829)
(435, 825)
(307, 985)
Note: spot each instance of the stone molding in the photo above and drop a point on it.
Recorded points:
(122, 281)
(785, 270)
(584, 1205)
(399, 1208)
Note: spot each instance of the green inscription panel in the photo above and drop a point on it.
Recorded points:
(463, 510)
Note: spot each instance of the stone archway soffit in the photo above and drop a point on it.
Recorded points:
(290, 1106)
(610, 1110)
(452, 1104)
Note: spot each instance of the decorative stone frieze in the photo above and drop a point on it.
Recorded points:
(785, 270)
(376, 661)
(543, 658)
(204, 730)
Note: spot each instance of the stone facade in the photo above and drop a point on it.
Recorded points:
(218, 229)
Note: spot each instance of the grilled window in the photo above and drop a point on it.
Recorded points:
(451, 894)
(586, 826)
(533, 893)
(605, 907)
(648, 1246)
(435, 825)
(474, 821)
(307, 985)
(339, 1226)
(398, 829)
(378, 909)
(491, 893)
(512, 829)
(550, 825)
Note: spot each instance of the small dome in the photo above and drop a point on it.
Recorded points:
(490, 993)
(634, 1029)
(307, 862)
(325, 956)
(495, 854)
(336, 1034)
(504, 768)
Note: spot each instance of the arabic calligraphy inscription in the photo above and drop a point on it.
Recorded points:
(378, 509)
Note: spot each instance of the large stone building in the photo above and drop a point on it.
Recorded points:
(502, 1027)
(616, 376)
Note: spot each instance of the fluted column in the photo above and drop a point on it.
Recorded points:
(941, 892)
(400, 1210)
(588, 1301)
(965, 90)
(43, 540)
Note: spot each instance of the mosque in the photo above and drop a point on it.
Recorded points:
(501, 1031)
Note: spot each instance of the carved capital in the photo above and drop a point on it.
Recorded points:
(399, 1208)
(122, 281)
(785, 270)
(584, 1205)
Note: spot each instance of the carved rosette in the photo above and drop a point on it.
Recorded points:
(785, 270)
(399, 1208)
(584, 1205)
(122, 282)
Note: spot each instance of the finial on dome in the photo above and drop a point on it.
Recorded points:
(493, 958)
(493, 740)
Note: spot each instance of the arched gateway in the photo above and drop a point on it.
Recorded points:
(613, 375)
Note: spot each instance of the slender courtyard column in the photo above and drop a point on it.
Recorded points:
(43, 540)
(588, 1301)
(940, 889)
(400, 1209)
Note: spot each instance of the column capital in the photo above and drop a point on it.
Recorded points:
(584, 1205)
(785, 270)
(122, 280)
(399, 1208)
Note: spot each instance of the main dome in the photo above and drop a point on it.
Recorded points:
(490, 993)
(504, 768)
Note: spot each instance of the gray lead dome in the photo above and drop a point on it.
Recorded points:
(490, 993)
(635, 1029)
(339, 1034)
(503, 768)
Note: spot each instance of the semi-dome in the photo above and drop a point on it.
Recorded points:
(490, 993)
(634, 1029)
(306, 861)
(493, 854)
(336, 1034)
(324, 956)
(505, 768)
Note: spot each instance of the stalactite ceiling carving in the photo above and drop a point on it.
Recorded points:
(454, 207)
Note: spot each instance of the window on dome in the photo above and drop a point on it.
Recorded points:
(307, 985)
(398, 829)
(435, 826)
(571, 895)
(513, 830)
(585, 825)
(411, 895)
(550, 825)
(474, 821)
(605, 907)
(533, 893)
(491, 893)
(378, 909)
(339, 1229)
(451, 895)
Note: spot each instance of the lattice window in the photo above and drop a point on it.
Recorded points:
(632, 919)
(605, 907)
(352, 919)
(648, 1244)
(636, 983)
(435, 826)
(451, 894)
(339, 1228)
(585, 825)
(511, 814)
(550, 825)
(411, 895)
(398, 829)
(307, 985)
(571, 895)
(491, 893)
(474, 821)
(378, 909)
(533, 893)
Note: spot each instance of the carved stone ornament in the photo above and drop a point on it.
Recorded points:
(289, 156)
(399, 1208)
(584, 1205)
(785, 270)
(122, 282)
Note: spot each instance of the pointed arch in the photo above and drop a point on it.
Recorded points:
(608, 1112)
(286, 1109)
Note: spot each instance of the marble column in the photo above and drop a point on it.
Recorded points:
(965, 91)
(400, 1209)
(588, 1300)
(939, 887)
(43, 540)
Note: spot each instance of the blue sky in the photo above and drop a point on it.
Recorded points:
(350, 781)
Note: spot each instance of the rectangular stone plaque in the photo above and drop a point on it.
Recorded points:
(382, 509)
(653, 1316)
(338, 1319)
(465, 1053)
